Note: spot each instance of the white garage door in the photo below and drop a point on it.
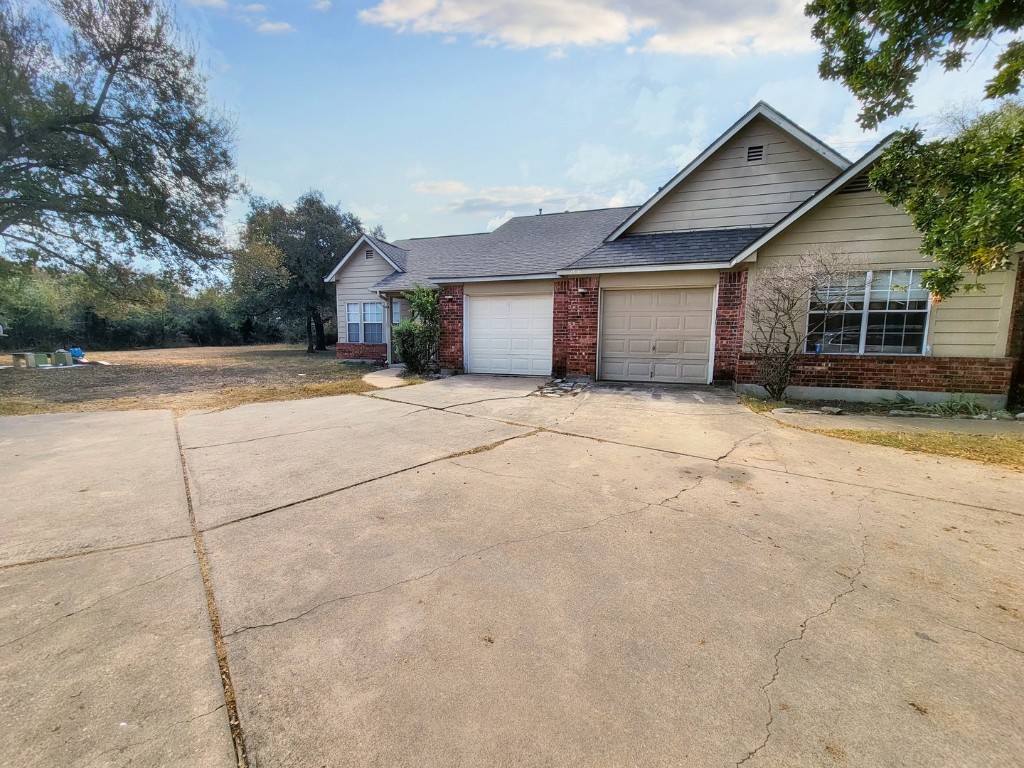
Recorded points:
(509, 334)
(657, 335)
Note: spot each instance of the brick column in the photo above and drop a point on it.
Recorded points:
(729, 316)
(1015, 339)
(450, 353)
(575, 326)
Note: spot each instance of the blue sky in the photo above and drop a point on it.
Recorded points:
(436, 117)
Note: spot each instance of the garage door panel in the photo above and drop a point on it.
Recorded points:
(657, 335)
(509, 334)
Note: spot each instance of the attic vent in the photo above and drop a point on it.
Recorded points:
(755, 154)
(369, 253)
(856, 184)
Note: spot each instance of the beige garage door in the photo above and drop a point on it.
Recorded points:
(656, 335)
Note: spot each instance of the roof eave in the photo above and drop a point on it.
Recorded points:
(646, 268)
(364, 238)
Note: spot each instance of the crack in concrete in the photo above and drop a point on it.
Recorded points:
(218, 708)
(95, 603)
(803, 630)
(97, 551)
(983, 637)
(332, 492)
(444, 566)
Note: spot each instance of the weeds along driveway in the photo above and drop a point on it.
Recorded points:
(463, 572)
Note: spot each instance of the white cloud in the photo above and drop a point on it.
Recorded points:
(322, 5)
(494, 199)
(695, 27)
(596, 163)
(497, 221)
(251, 8)
(519, 23)
(633, 192)
(440, 188)
(274, 27)
(208, 3)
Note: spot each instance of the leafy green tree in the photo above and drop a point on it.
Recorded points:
(878, 48)
(964, 194)
(110, 155)
(285, 254)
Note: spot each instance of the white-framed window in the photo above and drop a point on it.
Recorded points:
(396, 311)
(879, 312)
(373, 323)
(352, 319)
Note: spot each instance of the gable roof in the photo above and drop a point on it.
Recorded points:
(816, 199)
(761, 109)
(391, 253)
(523, 247)
(699, 248)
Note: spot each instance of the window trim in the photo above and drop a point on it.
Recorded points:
(865, 311)
(396, 311)
(365, 323)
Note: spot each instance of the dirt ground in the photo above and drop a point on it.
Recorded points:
(192, 378)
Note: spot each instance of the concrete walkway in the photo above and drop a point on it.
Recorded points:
(386, 378)
(462, 573)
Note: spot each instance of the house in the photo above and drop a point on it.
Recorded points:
(656, 293)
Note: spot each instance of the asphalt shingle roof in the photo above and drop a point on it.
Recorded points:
(713, 246)
(525, 245)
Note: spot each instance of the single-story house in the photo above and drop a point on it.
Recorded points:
(657, 293)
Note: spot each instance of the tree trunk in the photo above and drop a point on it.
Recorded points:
(321, 337)
(309, 334)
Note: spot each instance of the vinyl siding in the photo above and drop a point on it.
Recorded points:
(356, 279)
(726, 191)
(880, 236)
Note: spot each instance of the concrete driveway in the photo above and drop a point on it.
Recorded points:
(463, 572)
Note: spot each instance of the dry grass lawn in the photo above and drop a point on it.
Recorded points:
(194, 378)
(1000, 450)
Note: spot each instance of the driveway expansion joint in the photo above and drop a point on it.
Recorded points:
(230, 702)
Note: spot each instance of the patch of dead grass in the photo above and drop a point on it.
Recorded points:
(1000, 450)
(186, 379)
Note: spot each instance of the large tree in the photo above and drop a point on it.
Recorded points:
(285, 254)
(878, 48)
(111, 159)
(965, 191)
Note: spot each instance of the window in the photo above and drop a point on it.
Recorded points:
(755, 154)
(352, 318)
(369, 253)
(396, 311)
(880, 312)
(373, 323)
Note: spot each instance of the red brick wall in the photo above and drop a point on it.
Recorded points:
(375, 352)
(729, 316)
(1015, 340)
(981, 375)
(575, 327)
(451, 354)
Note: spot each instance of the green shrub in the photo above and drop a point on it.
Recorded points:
(416, 340)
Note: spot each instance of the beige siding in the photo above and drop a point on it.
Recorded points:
(726, 191)
(356, 279)
(880, 236)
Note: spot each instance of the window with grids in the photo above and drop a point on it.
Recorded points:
(352, 318)
(880, 312)
(373, 323)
